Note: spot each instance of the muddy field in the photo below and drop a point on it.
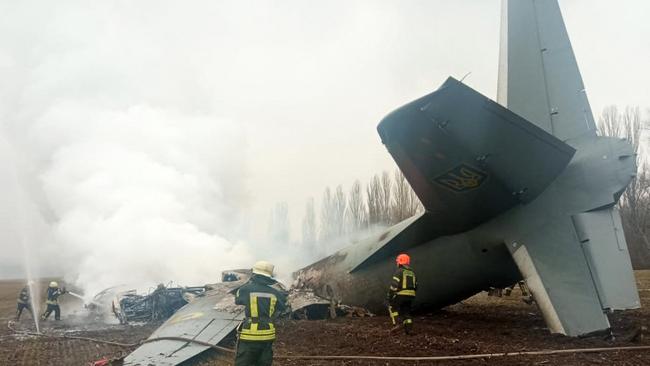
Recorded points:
(481, 324)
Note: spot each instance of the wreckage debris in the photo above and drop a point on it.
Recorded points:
(305, 304)
(160, 304)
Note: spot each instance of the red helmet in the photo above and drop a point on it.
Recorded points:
(403, 260)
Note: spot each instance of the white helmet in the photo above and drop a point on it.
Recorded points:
(53, 284)
(30, 283)
(263, 268)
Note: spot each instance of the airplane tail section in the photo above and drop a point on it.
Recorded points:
(538, 73)
(456, 148)
(468, 159)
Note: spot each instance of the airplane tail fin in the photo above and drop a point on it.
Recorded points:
(539, 77)
(456, 148)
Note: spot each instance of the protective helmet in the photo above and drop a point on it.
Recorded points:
(53, 284)
(403, 260)
(30, 283)
(263, 268)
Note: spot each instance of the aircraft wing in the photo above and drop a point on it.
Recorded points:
(208, 319)
(468, 158)
(538, 73)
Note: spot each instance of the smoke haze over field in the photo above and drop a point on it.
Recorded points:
(150, 139)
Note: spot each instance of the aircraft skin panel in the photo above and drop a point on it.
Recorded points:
(539, 77)
(551, 261)
(197, 320)
(396, 239)
(456, 147)
(603, 242)
(536, 286)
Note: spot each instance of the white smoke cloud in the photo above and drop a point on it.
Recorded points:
(140, 193)
(140, 179)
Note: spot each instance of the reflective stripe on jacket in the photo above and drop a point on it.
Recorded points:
(53, 296)
(263, 304)
(404, 282)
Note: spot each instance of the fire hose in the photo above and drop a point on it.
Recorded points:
(358, 357)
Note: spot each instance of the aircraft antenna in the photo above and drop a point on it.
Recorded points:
(466, 75)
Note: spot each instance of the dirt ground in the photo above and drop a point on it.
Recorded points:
(481, 324)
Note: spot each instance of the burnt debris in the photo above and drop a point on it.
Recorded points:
(160, 304)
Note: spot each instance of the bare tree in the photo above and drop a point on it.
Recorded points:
(326, 216)
(385, 198)
(405, 203)
(373, 197)
(609, 123)
(309, 226)
(356, 214)
(279, 223)
(339, 205)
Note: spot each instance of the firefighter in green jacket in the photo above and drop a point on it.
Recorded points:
(52, 302)
(24, 302)
(263, 304)
(402, 293)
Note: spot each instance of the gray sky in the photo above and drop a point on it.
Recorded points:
(295, 88)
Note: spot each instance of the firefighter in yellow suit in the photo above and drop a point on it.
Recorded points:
(263, 304)
(402, 293)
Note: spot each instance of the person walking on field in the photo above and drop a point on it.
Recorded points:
(24, 301)
(263, 304)
(401, 294)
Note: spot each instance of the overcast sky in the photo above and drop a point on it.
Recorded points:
(296, 88)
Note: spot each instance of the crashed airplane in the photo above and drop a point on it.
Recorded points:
(522, 189)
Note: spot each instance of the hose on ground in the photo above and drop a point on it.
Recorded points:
(113, 343)
(370, 358)
(36, 334)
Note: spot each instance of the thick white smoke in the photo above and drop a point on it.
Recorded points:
(141, 194)
(139, 175)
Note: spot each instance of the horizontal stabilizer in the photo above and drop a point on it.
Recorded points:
(468, 158)
(393, 240)
(554, 267)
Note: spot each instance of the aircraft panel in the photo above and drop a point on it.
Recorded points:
(539, 77)
(603, 241)
(457, 149)
(554, 267)
(198, 320)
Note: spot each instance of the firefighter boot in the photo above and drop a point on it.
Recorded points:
(408, 326)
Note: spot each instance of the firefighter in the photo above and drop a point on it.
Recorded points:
(263, 304)
(24, 301)
(402, 293)
(52, 302)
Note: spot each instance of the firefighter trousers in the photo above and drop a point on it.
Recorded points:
(254, 353)
(19, 310)
(402, 306)
(52, 308)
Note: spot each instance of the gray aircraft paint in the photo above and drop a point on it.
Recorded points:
(526, 192)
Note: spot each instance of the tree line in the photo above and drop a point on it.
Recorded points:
(383, 201)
